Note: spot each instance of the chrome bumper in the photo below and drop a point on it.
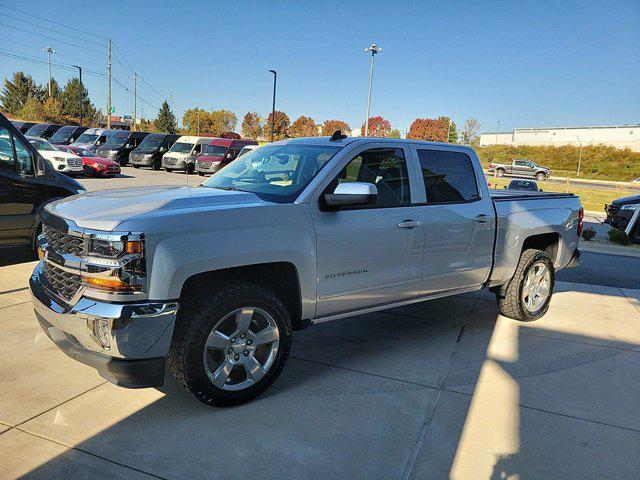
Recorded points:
(125, 342)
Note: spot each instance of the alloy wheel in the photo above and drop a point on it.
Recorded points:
(536, 287)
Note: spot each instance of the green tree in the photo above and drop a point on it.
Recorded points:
(451, 129)
(280, 126)
(395, 133)
(32, 110)
(71, 96)
(303, 127)
(55, 89)
(52, 108)
(17, 91)
(251, 125)
(194, 121)
(330, 126)
(166, 121)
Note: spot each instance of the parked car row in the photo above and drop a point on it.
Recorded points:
(101, 152)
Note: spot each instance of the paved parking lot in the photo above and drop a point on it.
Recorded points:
(445, 389)
(436, 390)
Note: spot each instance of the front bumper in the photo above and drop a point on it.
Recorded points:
(125, 342)
(141, 160)
(208, 167)
(175, 164)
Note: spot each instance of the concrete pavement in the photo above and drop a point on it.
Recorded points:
(445, 389)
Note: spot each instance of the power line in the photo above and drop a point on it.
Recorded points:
(27, 56)
(51, 29)
(53, 21)
(59, 55)
(52, 38)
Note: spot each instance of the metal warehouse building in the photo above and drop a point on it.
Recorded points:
(619, 136)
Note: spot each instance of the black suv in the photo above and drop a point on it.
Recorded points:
(621, 210)
(27, 183)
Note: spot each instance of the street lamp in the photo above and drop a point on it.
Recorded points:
(373, 49)
(497, 131)
(49, 51)
(579, 154)
(80, 91)
(273, 106)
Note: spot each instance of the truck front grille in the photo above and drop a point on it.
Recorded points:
(63, 283)
(62, 242)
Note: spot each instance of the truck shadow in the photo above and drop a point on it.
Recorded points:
(444, 389)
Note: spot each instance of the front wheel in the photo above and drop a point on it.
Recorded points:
(230, 343)
(529, 292)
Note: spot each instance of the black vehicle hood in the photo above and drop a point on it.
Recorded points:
(627, 200)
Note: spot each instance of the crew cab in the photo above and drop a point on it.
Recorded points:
(306, 230)
(220, 152)
(520, 167)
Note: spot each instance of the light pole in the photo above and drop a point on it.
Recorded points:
(497, 131)
(49, 51)
(80, 91)
(273, 106)
(373, 49)
(579, 154)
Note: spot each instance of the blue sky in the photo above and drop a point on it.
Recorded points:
(521, 63)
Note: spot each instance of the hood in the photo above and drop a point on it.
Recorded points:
(627, 200)
(106, 209)
(101, 160)
(50, 154)
(176, 155)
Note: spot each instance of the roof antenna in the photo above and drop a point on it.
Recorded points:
(337, 136)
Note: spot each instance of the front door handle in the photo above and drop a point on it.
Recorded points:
(409, 224)
(482, 218)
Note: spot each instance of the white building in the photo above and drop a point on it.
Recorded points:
(620, 136)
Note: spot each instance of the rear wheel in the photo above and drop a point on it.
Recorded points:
(189, 169)
(168, 170)
(135, 166)
(529, 292)
(201, 174)
(230, 343)
(540, 176)
(155, 165)
(500, 172)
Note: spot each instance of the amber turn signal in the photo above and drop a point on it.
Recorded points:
(133, 247)
(111, 284)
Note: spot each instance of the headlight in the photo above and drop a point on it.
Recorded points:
(115, 262)
(630, 207)
(59, 159)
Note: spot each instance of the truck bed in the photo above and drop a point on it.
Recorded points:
(506, 195)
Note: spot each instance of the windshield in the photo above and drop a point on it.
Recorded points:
(245, 150)
(150, 143)
(42, 145)
(63, 134)
(116, 141)
(87, 138)
(215, 150)
(37, 129)
(180, 147)
(276, 173)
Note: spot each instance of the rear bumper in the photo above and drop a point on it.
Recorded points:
(126, 343)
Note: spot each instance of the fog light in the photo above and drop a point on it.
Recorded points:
(100, 329)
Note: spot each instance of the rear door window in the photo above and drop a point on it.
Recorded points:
(448, 177)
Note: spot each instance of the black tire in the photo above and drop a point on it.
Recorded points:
(168, 170)
(201, 174)
(135, 166)
(203, 308)
(512, 304)
(500, 172)
(190, 168)
(155, 165)
(540, 176)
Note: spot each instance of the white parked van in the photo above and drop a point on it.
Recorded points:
(61, 161)
(182, 155)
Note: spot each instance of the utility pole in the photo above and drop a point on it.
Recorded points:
(109, 84)
(579, 155)
(448, 131)
(273, 106)
(49, 51)
(373, 49)
(135, 99)
(497, 131)
(80, 91)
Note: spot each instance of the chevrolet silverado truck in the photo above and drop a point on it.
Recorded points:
(305, 231)
(520, 167)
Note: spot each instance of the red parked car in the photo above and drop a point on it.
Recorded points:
(94, 166)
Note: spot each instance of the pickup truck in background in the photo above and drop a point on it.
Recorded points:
(520, 167)
(308, 230)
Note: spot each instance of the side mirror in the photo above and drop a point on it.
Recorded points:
(352, 193)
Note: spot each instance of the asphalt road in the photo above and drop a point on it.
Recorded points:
(601, 269)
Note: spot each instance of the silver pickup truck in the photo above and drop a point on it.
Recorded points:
(217, 277)
(520, 167)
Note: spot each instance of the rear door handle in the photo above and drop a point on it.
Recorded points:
(409, 224)
(482, 218)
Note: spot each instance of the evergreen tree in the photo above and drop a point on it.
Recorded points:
(55, 90)
(70, 99)
(166, 121)
(17, 91)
